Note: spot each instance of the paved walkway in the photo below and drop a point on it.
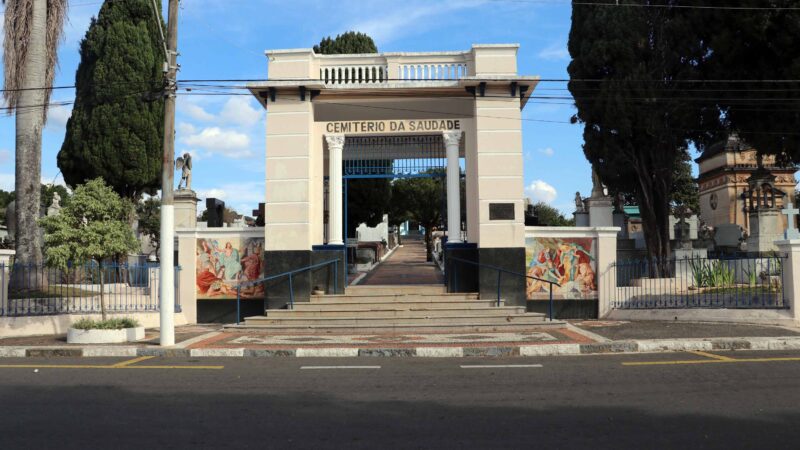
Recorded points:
(405, 266)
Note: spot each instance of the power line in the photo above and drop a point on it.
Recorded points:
(650, 5)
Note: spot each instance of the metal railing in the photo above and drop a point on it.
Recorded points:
(739, 281)
(500, 272)
(39, 290)
(290, 274)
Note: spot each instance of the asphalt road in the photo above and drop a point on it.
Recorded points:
(569, 402)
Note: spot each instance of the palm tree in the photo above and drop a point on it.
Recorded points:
(33, 29)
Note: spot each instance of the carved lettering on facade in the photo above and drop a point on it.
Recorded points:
(392, 126)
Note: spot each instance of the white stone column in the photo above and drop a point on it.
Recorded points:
(791, 275)
(335, 147)
(451, 142)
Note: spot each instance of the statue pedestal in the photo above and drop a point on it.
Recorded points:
(765, 229)
(185, 208)
(601, 212)
(581, 218)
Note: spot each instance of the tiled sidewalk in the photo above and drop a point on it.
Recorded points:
(272, 341)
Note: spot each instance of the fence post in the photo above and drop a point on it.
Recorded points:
(791, 275)
(5, 273)
(606, 269)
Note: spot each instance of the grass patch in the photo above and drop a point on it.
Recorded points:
(53, 292)
(109, 324)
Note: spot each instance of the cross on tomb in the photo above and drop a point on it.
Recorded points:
(791, 230)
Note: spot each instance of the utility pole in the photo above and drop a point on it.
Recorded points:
(167, 255)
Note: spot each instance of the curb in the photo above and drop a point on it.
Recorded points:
(597, 348)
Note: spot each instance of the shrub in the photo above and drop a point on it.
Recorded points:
(109, 324)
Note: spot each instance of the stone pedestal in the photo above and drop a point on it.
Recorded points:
(619, 221)
(791, 275)
(601, 211)
(5, 273)
(581, 218)
(765, 229)
(683, 263)
(185, 208)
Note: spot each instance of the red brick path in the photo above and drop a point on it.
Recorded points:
(405, 266)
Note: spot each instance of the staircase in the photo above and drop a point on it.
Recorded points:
(418, 308)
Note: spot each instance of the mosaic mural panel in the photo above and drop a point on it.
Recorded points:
(570, 262)
(224, 263)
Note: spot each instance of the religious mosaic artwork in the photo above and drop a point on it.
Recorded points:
(224, 263)
(570, 262)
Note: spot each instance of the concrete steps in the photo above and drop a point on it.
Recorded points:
(437, 313)
(376, 309)
(374, 305)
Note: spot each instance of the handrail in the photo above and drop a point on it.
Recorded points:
(291, 287)
(500, 271)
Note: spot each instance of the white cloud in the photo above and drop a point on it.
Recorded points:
(540, 191)
(5, 155)
(548, 152)
(186, 128)
(196, 112)
(57, 116)
(230, 143)
(555, 51)
(244, 197)
(240, 111)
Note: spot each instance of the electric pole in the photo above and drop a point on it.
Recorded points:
(167, 252)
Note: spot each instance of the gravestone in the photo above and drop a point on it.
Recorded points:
(791, 227)
(215, 209)
(761, 200)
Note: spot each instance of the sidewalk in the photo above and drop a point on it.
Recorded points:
(580, 337)
(405, 266)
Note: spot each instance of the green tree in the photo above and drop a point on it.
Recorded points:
(636, 123)
(367, 198)
(32, 31)
(685, 191)
(5, 199)
(149, 218)
(419, 200)
(549, 216)
(94, 226)
(349, 42)
(116, 128)
(753, 48)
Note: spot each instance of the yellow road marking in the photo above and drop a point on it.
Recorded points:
(127, 364)
(132, 361)
(711, 355)
(708, 361)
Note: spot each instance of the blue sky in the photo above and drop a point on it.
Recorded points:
(225, 39)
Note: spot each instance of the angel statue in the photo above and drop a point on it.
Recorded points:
(184, 164)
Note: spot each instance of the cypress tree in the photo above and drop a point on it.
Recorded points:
(626, 74)
(116, 128)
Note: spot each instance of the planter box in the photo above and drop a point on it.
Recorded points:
(76, 336)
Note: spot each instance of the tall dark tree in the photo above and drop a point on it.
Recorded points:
(367, 198)
(625, 76)
(349, 42)
(760, 50)
(116, 128)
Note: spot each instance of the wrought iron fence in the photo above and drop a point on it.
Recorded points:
(746, 282)
(33, 290)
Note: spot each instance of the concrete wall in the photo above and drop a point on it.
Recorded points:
(290, 169)
(498, 168)
(58, 324)
(605, 255)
